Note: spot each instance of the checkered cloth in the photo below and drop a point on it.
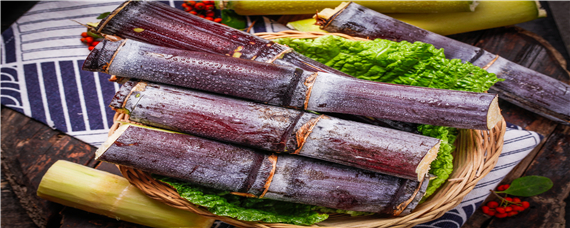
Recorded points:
(42, 78)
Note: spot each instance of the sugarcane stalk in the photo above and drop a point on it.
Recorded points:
(236, 169)
(284, 7)
(107, 194)
(524, 87)
(489, 14)
(293, 87)
(154, 24)
(157, 23)
(271, 128)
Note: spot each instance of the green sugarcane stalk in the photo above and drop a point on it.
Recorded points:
(107, 194)
(282, 7)
(489, 14)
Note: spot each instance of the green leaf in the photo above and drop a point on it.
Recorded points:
(103, 15)
(138, 29)
(529, 186)
(232, 19)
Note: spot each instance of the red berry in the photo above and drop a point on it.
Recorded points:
(83, 40)
(210, 13)
(493, 204)
(84, 34)
(509, 199)
(209, 18)
(89, 40)
(491, 213)
(512, 213)
(508, 209)
(94, 43)
(208, 2)
(502, 187)
(218, 20)
(202, 16)
(506, 187)
(200, 6)
(516, 200)
(188, 8)
(500, 210)
(191, 3)
(193, 12)
(525, 204)
(518, 208)
(210, 7)
(501, 215)
(184, 5)
(91, 48)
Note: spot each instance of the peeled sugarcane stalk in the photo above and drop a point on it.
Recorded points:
(524, 87)
(107, 194)
(277, 129)
(293, 87)
(283, 7)
(251, 173)
(489, 14)
(157, 23)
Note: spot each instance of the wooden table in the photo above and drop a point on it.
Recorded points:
(29, 148)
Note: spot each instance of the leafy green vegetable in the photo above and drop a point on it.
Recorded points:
(442, 166)
(232, 19)
(416, 64)
(528, 186)
(223, 203)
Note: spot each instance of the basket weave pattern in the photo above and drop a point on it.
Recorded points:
(475, 156)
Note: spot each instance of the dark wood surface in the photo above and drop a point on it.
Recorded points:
(29, 148)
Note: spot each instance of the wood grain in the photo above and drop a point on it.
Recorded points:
(29, 148)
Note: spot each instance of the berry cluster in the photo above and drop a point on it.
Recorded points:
(203, 9)
(508, 206)
(89, 39)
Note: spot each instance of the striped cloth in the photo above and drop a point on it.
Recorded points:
(42, 78)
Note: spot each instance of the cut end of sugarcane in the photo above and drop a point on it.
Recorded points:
(327, 13)
(540, 11)
(111, 140)
(494, 114)
(425, 163)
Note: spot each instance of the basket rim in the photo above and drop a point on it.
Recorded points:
(475, 156)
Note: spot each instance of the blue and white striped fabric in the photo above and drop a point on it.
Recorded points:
(41, 77)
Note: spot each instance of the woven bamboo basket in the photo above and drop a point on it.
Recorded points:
(475, 156)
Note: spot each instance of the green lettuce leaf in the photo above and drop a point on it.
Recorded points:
(416, 64)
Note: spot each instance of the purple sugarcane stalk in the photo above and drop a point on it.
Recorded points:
(236, 169)
(293, 87)
(278, 129)
(524, 87)
(170, 27)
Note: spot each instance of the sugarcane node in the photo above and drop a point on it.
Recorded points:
(490, 63)
(401, 207)
(280, 55)
(273, 159)
(303, 133)
(243, 194)
(309, 82)
(111, 15)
